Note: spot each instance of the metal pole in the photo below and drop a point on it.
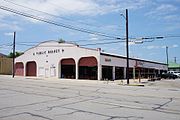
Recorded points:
(167, 56)
(127, 48)
(14, 54)
(174, 59)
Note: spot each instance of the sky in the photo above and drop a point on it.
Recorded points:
(147, 18)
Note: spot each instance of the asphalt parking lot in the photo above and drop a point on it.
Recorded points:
(50, 99)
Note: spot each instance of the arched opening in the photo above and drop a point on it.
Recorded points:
(19, 69)
(68, 68)
(31, 68)
(88, 68)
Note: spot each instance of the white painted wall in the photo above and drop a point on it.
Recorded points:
(49, 62)
(121, 62)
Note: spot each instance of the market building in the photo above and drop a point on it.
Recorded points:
(68, 60)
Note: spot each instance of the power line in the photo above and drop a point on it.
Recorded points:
(55, 23)
(81, 30)
(8, 44)
(78, 29)
(100, 43)
(136, 40)
(111, 41)
(68, 19)
(82, 40)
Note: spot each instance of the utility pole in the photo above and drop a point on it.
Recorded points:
(14, 54)
(167, 56)
(127, 48)
(175, 59)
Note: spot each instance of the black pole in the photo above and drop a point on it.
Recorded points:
(174, 59)
(127, 48)
(14, 54)
(167, 60)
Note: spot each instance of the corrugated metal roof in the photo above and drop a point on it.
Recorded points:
(173, 65)
(2, 55)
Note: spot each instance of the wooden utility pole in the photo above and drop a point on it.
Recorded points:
(127, 48)
(14, 55)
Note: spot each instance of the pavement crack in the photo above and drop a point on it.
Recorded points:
(161, 105)
(17, 106)
(127, 118)
(28, 113)
(52, 107)
(110, 117)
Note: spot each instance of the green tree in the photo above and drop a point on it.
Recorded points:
(16, 54)
(61, 40)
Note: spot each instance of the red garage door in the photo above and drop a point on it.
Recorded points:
(31, 68)
(19, 69)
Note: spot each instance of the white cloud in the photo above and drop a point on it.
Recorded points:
(172, 26)
(167, 12)
(11, 26)
(160, 47)
(163, 9)
(171, 17)
(151, 47)
(9, 34)
(174, 46)
(77, 7)
(66, 8)
(154, 47)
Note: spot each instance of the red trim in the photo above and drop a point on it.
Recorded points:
(69, 61)
(88, 61)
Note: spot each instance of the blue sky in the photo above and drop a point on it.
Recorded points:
(147, 18)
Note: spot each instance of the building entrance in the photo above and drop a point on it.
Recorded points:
(68, 68)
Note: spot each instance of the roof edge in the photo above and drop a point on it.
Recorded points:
(118, 56)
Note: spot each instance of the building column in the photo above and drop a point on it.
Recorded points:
(99, 71)
(148, 73)
(59, 70)
(124, 72)
(159, 71)
(134, 73)
(77, 70)
(113, 73)
(24, 69)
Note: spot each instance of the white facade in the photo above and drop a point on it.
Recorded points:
(121, 62)
(48, 56)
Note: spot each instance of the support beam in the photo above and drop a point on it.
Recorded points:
(99, 71)
(124, 73)
(77, 70)
(113, 73)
